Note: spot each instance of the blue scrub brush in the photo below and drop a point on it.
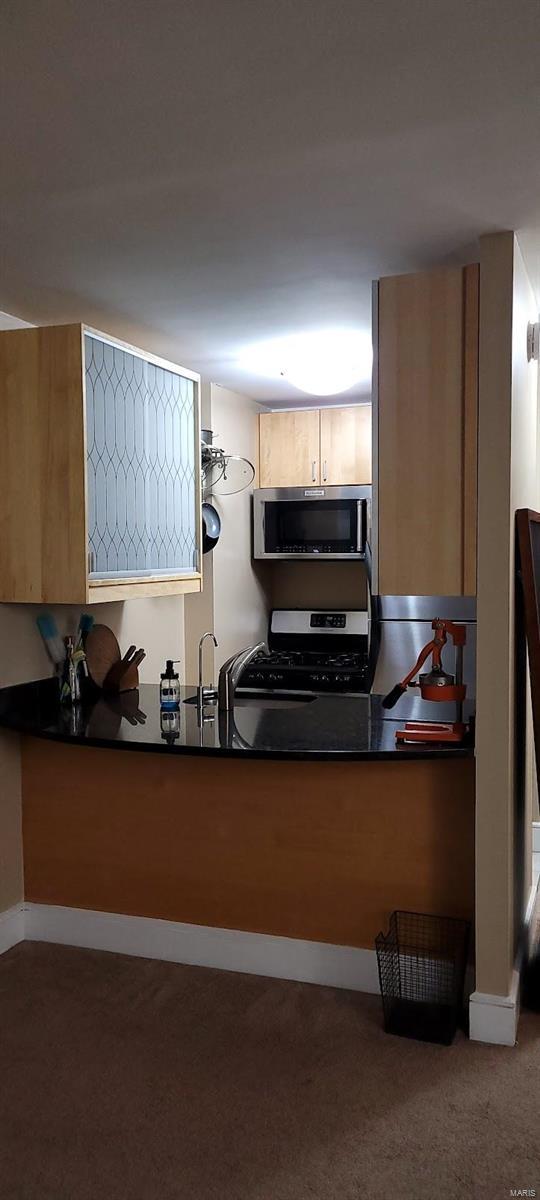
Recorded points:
(53, 642)
(85, 624)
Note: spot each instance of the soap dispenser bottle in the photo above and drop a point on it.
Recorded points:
(169, 688)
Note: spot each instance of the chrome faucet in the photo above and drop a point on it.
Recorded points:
(231, 671)
(205, 695)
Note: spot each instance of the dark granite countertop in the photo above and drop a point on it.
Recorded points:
(324, 727)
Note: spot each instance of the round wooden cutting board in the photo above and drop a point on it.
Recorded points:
(102, 652)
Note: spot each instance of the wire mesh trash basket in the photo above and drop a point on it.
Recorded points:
(421, 963)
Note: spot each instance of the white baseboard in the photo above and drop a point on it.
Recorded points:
(494, 1018)
(11, 927)
(536, 837)
(200, 945)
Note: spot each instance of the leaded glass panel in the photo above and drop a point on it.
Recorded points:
(141, 465)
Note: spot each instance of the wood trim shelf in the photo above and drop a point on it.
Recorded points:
(102, 591)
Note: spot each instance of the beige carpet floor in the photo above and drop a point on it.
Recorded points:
(125, 1079)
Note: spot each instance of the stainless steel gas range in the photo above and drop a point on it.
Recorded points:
(313, 651)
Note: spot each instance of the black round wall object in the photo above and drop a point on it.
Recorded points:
(211, 524)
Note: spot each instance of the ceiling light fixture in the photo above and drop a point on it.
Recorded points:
(322, 363)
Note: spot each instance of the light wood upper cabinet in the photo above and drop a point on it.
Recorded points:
(313, 445)
(427, 397)
(289, 448)
(346, 445)
(100, 469)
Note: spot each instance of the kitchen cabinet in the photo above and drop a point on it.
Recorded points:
(100, 470)
(346, 445)
(289, 448)
(305, 446)
(425, 417)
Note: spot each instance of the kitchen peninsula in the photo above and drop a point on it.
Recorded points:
(297, 819)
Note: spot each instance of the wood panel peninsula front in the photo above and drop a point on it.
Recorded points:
(303, 821)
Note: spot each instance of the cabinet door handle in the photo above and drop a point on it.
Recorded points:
(324, 471)
(313, 474)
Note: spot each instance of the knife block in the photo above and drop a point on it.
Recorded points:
(122, 677)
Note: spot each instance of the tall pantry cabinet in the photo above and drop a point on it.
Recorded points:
(425, 413)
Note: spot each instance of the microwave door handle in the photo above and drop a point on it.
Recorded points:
(259, 523)
(359, 526)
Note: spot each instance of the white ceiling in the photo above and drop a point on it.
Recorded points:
(209, 173)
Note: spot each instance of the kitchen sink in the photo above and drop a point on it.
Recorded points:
(261, 700)
(258, 700)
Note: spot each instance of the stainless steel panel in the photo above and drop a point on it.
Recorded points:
(312, 556)
(421, 608)
(296, 620)
(258, 524)
(348, 492)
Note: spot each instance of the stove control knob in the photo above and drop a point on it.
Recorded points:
(325, 679)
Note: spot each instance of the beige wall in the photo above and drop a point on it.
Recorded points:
(240, 602)
(199, 608)
(157, 625)
(507, 479)
(318, 585)
(234, 603)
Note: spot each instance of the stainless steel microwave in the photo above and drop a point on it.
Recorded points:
(311, 522)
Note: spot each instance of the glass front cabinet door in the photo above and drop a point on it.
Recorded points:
(101, 495)
(141, 427)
